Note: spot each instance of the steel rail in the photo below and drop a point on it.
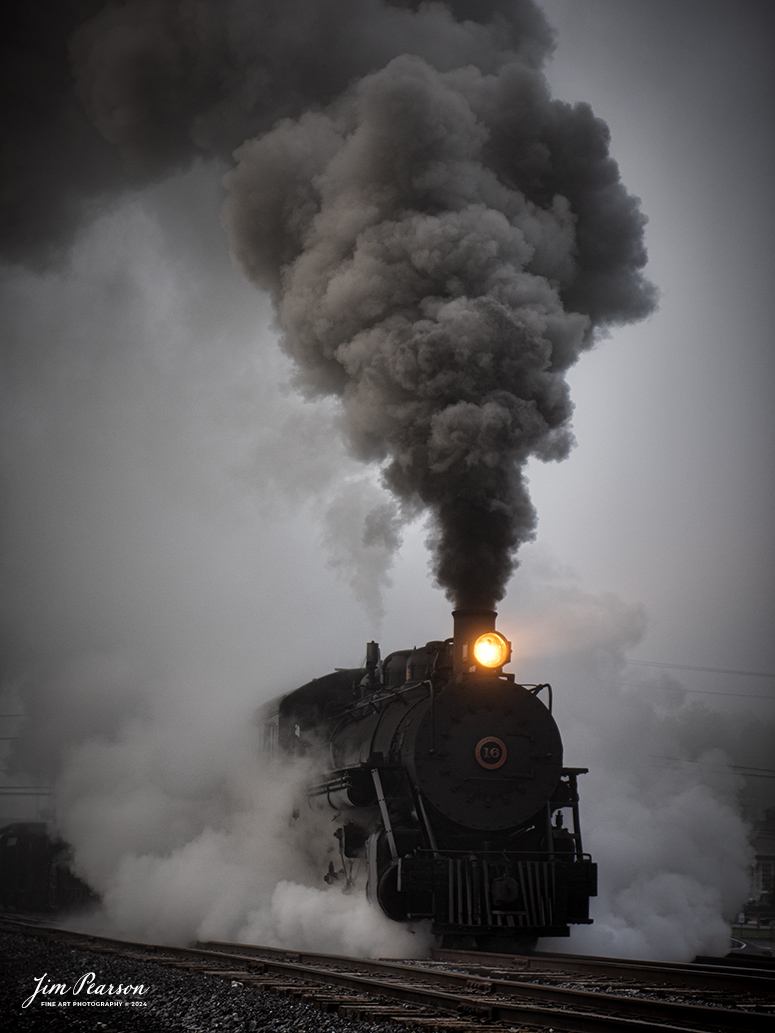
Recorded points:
(687, 974)
(454, 994)
(509, 989)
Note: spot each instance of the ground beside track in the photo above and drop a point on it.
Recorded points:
(237, 988)
(177, 1002)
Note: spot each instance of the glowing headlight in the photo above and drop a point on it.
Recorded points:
(491, 650)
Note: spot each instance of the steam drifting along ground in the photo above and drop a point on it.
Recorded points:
(660, 806)
(164, 500)
(170, 480)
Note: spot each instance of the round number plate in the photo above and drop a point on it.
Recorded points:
(491, 752)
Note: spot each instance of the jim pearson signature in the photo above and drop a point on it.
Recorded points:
(87, 984)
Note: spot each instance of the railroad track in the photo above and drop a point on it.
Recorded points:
(715, 974)
(438, 995)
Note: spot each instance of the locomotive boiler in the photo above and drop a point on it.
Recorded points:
(447, 784)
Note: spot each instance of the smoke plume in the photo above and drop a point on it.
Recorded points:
(99, 97)
(441, 246)
(441, 238)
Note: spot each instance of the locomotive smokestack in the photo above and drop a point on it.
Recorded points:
(468, 626)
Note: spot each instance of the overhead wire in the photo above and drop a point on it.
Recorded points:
(709, 670)
(712, 670)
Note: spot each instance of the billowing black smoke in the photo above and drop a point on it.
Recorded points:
(100, 95)
(441, 247)
(440, 237)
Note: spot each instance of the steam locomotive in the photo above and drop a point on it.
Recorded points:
(447, 782)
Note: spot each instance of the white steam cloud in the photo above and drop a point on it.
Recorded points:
(157, 480)
(187, 835)
(661, 805)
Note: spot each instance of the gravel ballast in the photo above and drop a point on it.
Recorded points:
(174, 1000)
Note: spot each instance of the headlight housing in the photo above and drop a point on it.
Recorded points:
(492, 650)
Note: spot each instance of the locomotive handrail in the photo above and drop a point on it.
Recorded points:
(535, 689)
(382, 697)
(505, 855)
(334, 784)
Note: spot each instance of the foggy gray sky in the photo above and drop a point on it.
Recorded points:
(182, 532)
(669, 496)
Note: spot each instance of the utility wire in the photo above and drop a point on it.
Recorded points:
(705, 692)
(746, 772)
(710, 670)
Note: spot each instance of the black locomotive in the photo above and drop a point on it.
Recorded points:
(448, 782)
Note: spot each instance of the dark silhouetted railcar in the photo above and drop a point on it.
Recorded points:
(35, 872)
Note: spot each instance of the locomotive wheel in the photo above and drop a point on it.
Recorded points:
(390, 900)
